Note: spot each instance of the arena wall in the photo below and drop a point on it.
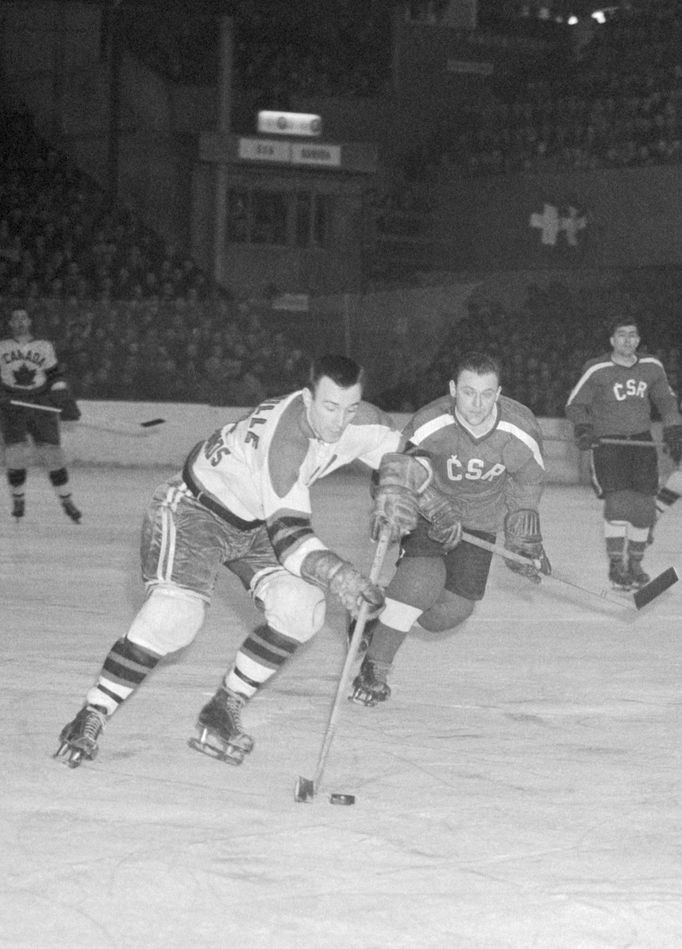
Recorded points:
(112, 434)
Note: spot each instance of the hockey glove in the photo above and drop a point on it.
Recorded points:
(522, 536)
(584, 436)
(326, 569)
(396, 504)
(441, 512)
(60, 396)
(672, 439)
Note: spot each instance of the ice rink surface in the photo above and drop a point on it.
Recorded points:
(521, 790)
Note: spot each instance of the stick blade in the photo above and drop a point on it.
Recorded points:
(304, 791)
(655, 587)
(152, 422)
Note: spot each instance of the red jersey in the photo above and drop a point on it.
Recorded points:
(488, 475)
(617, 400)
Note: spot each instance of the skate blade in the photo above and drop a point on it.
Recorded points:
(229, 754)
(71, 757)
(304, 791)
(366, 703)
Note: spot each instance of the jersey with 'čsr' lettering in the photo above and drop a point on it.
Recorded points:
(262, 467)
(617, 399)
(485, 476)
(27, 368)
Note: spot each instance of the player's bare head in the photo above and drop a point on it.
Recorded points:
(342, 371)
(624, 338)
(475, 387)
(332, 396)
(481, 364)
(19, 320)
(620, 324)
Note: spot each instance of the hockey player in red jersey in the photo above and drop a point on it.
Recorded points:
(242, 500)
(30, 373)
(476, 462)
(614, 398)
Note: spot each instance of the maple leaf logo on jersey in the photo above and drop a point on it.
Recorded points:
(24, 376)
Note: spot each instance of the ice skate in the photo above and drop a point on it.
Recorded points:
(78, 739)
(620, 576)
(639, 577)
(370, 686)
(220, 728)
(71, 510)
(18, 507)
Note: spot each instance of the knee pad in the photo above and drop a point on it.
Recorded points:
(617, 506)
(59, 477)
(291, 605)
(450, 611)
(16, 477)
(16, 456)
(643, 510)
(168, 621)
(51, 456)
(631, 506)
(418, 581)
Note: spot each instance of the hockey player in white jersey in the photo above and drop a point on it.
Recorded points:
(30, 373)
(242, 500)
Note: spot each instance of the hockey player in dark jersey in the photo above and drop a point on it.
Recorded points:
(614, 398)
(242, 500)
(30, 373)
(475, 460)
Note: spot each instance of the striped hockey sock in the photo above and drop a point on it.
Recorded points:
(125, 669)
(261, 655)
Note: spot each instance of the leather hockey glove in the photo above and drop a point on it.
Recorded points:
(585, 437)
(326, 569)
(396, 503)
(672, 439)
(441, 512)
(522, 536)
(60, 396)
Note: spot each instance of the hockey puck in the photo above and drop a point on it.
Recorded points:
(346, 799)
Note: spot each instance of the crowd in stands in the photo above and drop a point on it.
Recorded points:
(616, 104)
(543, 344)
(131, 317)
(279, 49)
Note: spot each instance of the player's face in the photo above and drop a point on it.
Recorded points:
(20, 323)
(475, 396)
(331, 408)
(625, 341)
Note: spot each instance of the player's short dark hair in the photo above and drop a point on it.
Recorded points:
(622, 320)
(342, 370)
(480, 363)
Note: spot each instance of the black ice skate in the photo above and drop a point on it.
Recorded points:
(639, 577)
(620, 576)
(370, 686)
(18, 507)
(71, 510)
(220, 728)
(78, 739)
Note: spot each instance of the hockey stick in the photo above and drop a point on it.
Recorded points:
(608, 440)
(641, 598)
(306, 787)
(105, 425)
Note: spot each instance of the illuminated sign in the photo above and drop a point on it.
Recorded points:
(329, 155)
(289, 153)
(256, 149)
(289, 123)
